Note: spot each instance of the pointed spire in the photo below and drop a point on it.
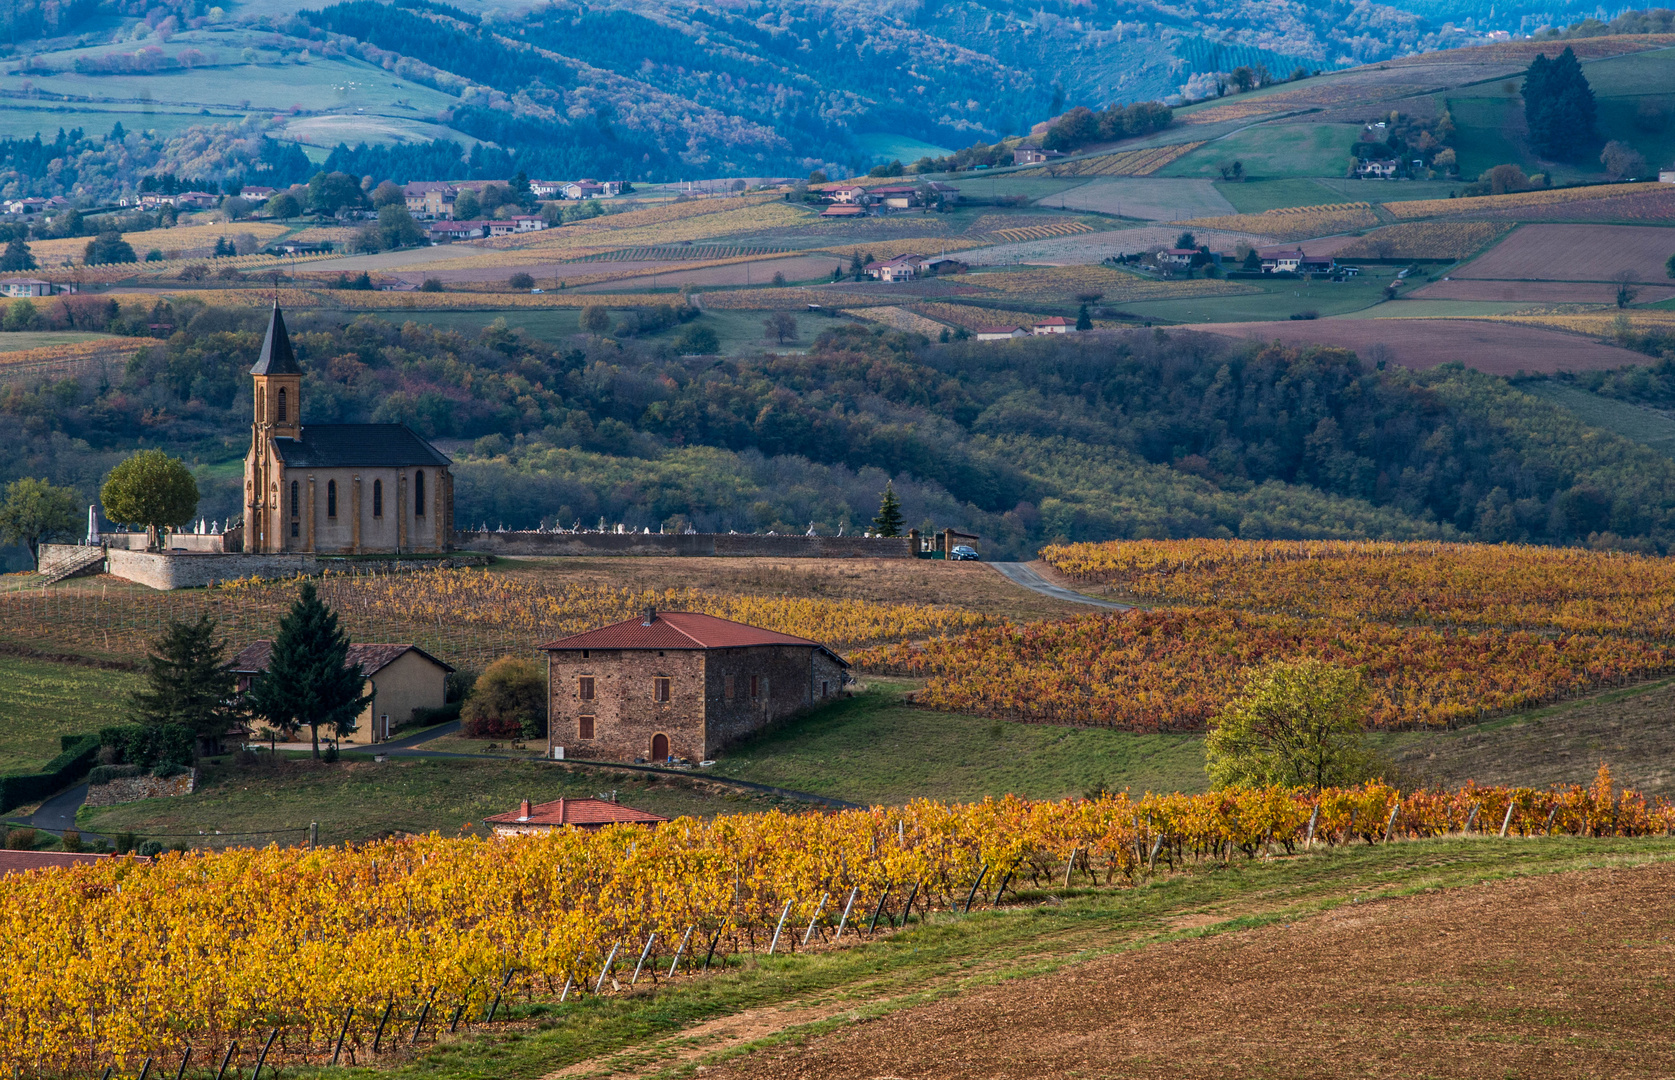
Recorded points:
(277, 357)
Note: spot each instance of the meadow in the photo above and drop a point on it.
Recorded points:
(44, 700)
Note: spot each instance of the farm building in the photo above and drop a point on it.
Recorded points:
(901, 268)
(678, 684)
(400, 678)
(588, 814)
(1058, 324)
(1281, 260)
(1000, 333)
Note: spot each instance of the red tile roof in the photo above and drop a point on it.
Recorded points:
(676, 630)
(16, 862)
(1056, 320)
(254, 658)
(582, 813)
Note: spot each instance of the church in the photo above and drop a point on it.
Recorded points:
(340, 489)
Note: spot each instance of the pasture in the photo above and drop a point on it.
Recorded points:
(1272, 150)
(44, 700)
(1151, 198)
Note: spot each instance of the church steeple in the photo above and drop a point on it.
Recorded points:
(278, 384)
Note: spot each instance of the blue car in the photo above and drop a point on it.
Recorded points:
(964, 552)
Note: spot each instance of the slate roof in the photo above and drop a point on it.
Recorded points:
(254, 658)
(277, 357)
(366, 446)
(581, 813)
(681, 630)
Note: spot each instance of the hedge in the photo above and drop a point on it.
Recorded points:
(69, 766)
(149, 744)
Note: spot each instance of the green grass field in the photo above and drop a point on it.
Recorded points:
(41, 700)
(886, 144)
(1273, 151)
(1277, 300)
(1260, 196)
(872, 749)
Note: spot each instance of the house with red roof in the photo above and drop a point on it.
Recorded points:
(678, 685)
(1058, 324)
(588, 814)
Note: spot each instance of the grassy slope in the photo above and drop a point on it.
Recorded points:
(1278, 300)
(1046, 931)
(1631, 421)
(40, 700)
(1273, 150)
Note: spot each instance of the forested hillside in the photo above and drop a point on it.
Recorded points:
(1145, 434)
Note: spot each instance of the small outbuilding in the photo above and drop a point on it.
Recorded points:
(589, 814)
(401, 679)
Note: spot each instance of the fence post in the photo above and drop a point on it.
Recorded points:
(809, 933)
(679, 949)
(907, 909)
(1314, 817)
(313, 842)
(225, 1061)
(341, 1033)
(569, 981)
(606, 970)
(263, 1058)
(1070, 865)
(972, 895)
(1512, 804)
(1471, 819)
(879, 909)
(378, 1037)
(714, 941)
(1005, 881)
(1390, 825)
(145, 1070)
(843, 922)
(424, 1014)
(645, 952)
(184, 1058)
(782, 917)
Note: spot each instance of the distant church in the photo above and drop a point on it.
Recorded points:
(348, 489)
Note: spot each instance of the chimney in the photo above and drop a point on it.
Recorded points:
(651, 615)
(523, 810)
(561, 811)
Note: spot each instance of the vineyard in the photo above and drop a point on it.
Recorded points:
(1425, 240)
(1142, 162)
(793, 298)
(899, 319)
(182, 240)
(971, 317)
(1422, 208)
(467, 617)
(1604, 324)
(310, 953)
(1297, 222)
(1043, 232)
(71, 358)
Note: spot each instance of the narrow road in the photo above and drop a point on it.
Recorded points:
(59, 812)
(1026, 575)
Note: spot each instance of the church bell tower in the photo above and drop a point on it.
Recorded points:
(278, 415)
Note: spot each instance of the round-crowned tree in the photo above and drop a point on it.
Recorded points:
(150, 489)
(509, 699)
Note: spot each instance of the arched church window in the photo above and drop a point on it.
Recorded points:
(296, 501)
(378, 498)
(281, 413)
(419, 493)
(331, 498)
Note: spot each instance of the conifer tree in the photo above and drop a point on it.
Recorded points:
(1083, 321)
(889, 519)
(309, 679)
(187, 680)
(1559, 106)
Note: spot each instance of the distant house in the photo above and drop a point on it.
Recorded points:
(25, 206)
(196, 200)
(400, 678)
(431, 198)
(500, 228)
(1281, 260)
(588, 814)
(547, 189)
(257, 193)
(1032, 155)
(1666, 176)
(298, 247)
(1055, 325)
(1177, 258)
(1376, 168)
(678, 684)
(901, 268)
(447, 231)
(527, 222)
(942, 264)
(897, 196)
(999, 333)
(25, 287)
(592, 189)
(1316, 264)
(848, 194)
(397, 285)
(840, 210)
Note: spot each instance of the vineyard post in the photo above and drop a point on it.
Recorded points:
(876, 911)
(783, 915)
(809, 933)
(714, 941)
(1151, 860)
(262, 1058)
(424, 1014)
(1390, 826)
(1551, 814)
(645, 952)
(504, 982)
(606, 970)
(907, 908)
(145, 1070)
(342, 1033)
(678, 950)
(1506, 822)
(972, 895)
(569, 981)
(184, 1058)
(1071, 865)
(459, 1011)
(382, 1020)
(843, 922)
(1313, 819)
(313, 834)
(108, 1068)
(1471, 819)
(221, 1073)
(1005, 881)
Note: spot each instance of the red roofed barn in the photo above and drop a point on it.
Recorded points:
(586, 814)
(679, 684)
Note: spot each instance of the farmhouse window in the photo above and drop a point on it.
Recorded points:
(584, 687)
(331, 498)
(378, 498)
(727, 688)
(823, 685)
(584, 727)
(419, 493)
(660, 689)
(755, 687)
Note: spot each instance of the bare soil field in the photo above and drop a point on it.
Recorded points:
(969, 585)
(1577, 253)
(1537, 292)
(755, 272)
(1152, 198)
(1536, 977)
(1495, 348)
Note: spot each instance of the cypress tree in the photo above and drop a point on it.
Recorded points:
(309, 679)
(889, 519)
(187, 681)
(1559, 106)
(1083, 322)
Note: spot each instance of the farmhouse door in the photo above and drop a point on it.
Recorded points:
(659, 747)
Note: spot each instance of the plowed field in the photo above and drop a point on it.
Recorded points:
(1577, 253)
(1537, 977)
(1496, 348)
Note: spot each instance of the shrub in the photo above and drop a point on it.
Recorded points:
(521, 280)
(146, 745)
(124, 842)
(104, 774)
(509, 699)
(21, 840)
(166, 769)
(72, 841)
(151, 849)
(431, 285)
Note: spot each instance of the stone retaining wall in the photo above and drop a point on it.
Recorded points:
(134, 788)
(726, 545)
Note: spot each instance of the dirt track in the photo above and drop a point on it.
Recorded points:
(1497, 348)
(1553, 976)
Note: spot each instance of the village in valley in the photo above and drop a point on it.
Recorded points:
(1174, 541)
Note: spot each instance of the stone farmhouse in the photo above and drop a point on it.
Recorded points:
(678, 684)
(351, 489)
